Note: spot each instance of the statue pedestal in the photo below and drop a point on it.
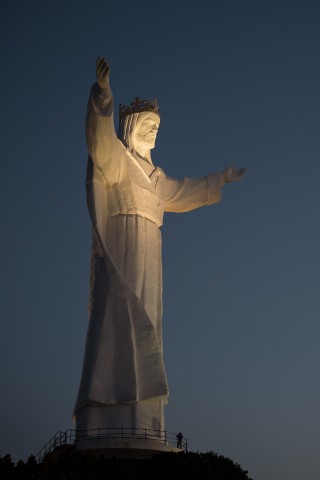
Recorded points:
(126, 443)
(129, 449)
(126, 426)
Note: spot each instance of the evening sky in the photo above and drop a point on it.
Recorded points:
(237, 83)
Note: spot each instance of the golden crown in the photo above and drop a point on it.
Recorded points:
(138, 105)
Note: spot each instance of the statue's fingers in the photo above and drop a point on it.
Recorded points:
(100, 61)
(98, 69)
(105, 70)
(239, 174)
(242, 172)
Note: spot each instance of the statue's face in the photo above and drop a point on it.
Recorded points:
(145, 132)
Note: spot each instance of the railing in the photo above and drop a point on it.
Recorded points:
(59, 440)
(112, 436)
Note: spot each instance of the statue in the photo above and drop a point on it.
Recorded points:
(123, 380)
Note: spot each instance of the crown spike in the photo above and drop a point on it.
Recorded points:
(139, 105)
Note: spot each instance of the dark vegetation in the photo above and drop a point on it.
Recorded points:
(90, 465)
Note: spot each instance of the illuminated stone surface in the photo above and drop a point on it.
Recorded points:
(123, 380)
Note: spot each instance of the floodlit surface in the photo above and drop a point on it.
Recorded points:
(123, 378)
(237, 83)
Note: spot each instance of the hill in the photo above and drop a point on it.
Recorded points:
(72, 464)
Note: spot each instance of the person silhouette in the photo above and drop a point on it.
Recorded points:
(179, 438)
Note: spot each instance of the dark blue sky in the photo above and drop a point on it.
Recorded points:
(237, 83)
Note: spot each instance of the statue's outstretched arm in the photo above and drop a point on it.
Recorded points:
(191, 193)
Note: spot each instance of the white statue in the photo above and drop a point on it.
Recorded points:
(123, 379)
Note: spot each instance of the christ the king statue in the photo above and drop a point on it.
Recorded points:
(123, 380)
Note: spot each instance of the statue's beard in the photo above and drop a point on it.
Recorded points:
(145, 142)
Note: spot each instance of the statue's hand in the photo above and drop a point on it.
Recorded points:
(231, 174)
(102, 73)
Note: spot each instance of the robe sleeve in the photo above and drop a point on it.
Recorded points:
(191, 193)
(102, 141)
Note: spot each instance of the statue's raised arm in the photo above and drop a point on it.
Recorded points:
(101, 136)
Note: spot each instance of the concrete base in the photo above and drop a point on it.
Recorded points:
(127, 449)
(140, 442)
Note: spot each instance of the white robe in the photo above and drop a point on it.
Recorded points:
(127, 196)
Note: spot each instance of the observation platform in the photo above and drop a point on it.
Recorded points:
(114, 442)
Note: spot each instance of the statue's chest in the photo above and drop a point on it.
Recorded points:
(146, 176)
